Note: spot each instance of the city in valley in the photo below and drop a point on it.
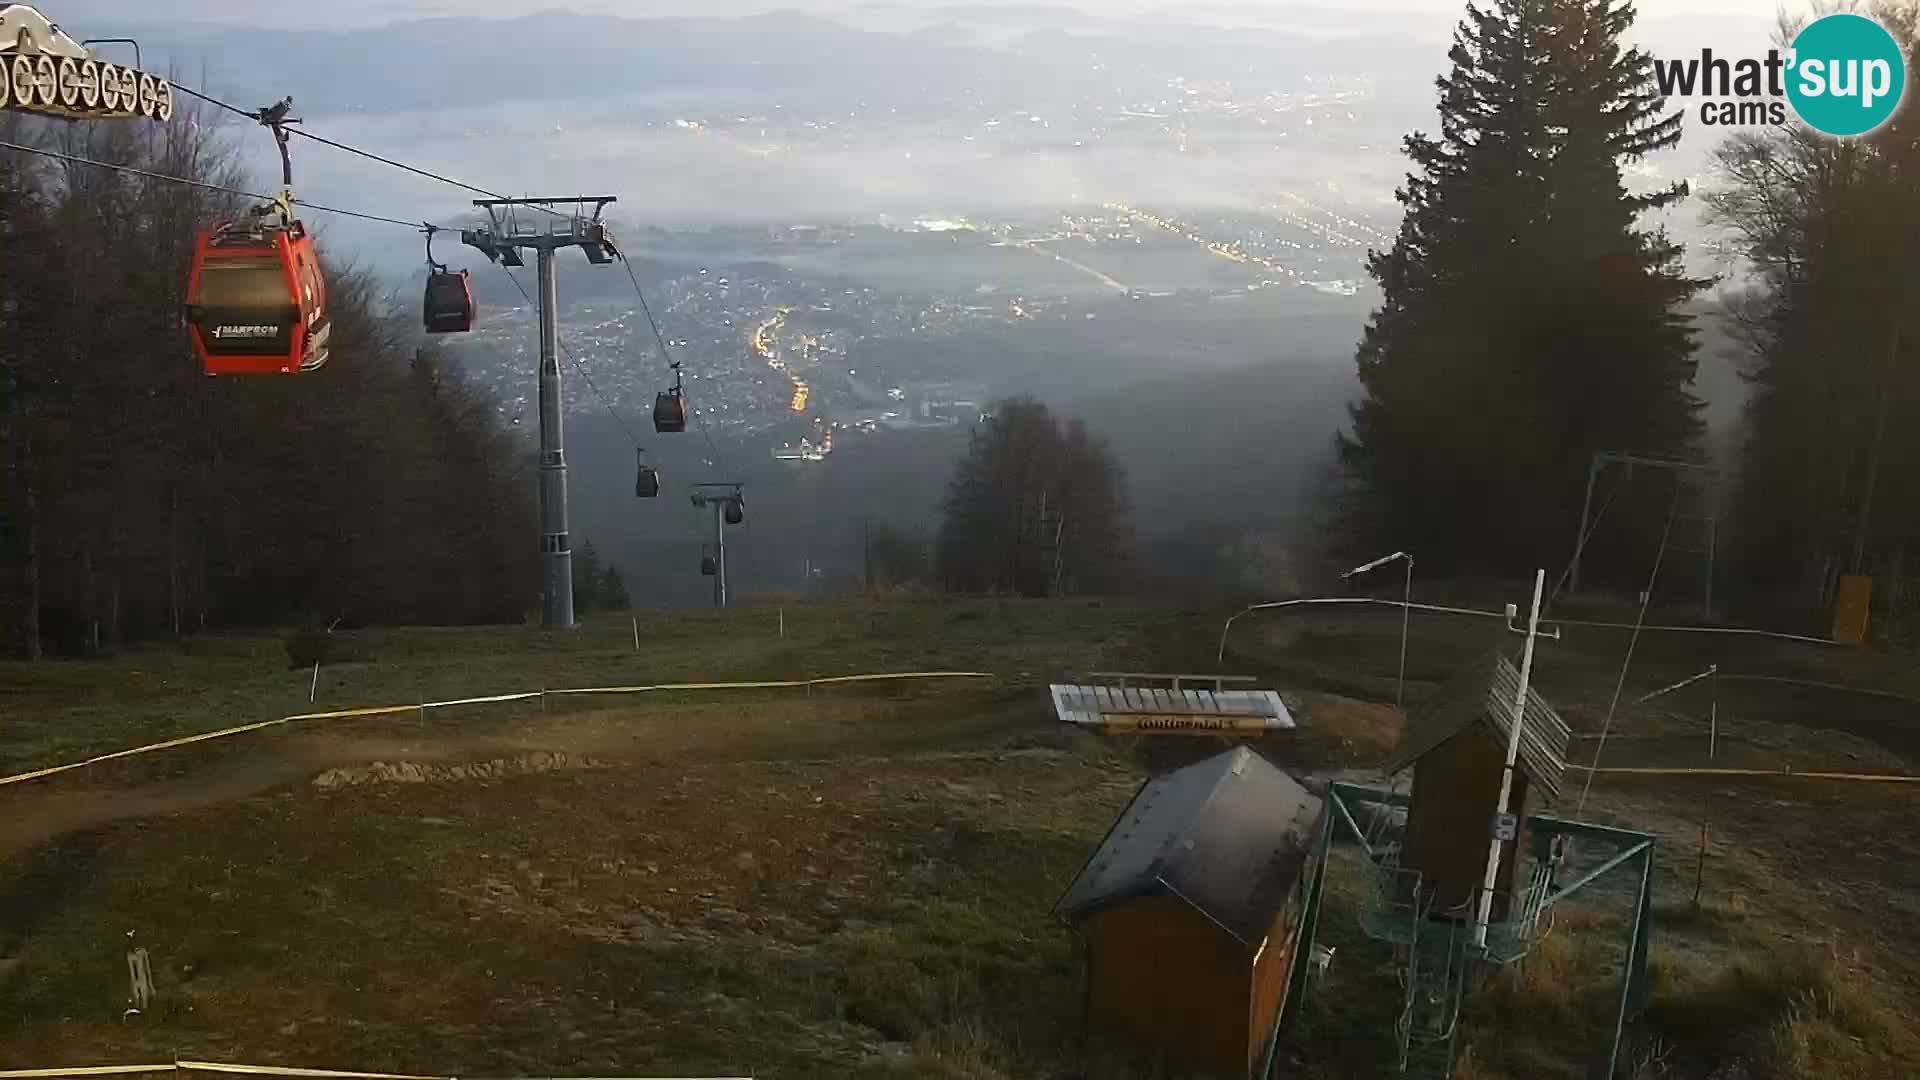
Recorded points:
(795, 335)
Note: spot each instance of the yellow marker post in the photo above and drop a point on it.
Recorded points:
(1852, 609)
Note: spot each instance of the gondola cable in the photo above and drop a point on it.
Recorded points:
(699, 416)
(646, 483)
(577, 366)
(280, 132)
(368, 154)
(203, 185)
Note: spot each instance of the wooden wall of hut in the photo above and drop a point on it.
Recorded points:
(1456, 788)
(1165, 983)
(1159, 980)
(1272, 973)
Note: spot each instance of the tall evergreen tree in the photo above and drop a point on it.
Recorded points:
(586, 578)
(1526, 321)
(613, 590)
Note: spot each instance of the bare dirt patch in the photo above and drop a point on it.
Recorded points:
(413, 772)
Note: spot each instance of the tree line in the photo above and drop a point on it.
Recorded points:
(1530, 318)
(1830, 462)
(1036, 506)
(143, 499)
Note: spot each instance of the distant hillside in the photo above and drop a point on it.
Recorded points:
(450, 62)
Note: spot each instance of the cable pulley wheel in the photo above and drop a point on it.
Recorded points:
(23, 80)
(89, 81)
(68, 75)
(110, 87)
(46, 82)
(129, 90)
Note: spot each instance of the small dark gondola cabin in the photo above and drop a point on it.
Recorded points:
(670, 411)
(1187, 916)
(447, 307)
(1457, 745)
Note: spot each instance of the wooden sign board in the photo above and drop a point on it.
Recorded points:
(1159, 711)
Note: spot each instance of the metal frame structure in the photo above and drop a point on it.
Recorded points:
(729, 496)
(501, 242)
(1682, 471)
(1439, 972)
(43, 70)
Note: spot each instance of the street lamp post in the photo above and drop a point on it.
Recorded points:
(1406, 609)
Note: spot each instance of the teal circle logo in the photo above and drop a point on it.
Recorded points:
(1847, 75)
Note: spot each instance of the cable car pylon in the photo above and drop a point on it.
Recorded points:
(729, 508)
(501, 241)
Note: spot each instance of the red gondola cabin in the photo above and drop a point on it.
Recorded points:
(256, 301)
(448, 306)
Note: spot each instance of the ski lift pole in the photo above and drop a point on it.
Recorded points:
(719, 554)
(1506, 774)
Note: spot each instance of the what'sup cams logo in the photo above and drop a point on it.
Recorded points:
(1844, 75)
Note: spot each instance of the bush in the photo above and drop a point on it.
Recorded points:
(312, 645)
(1790, 1014)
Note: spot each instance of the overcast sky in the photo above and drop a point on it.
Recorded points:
(308, 14)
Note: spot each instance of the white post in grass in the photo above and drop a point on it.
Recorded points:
(636, 635)
(1506, 775)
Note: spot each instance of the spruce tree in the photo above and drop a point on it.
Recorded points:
(1526, 322)
(613, 590)
(586, 578)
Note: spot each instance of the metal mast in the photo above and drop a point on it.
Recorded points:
(728, 508)
(501, 242)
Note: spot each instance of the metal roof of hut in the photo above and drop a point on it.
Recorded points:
(1483, 692)
(1228, 835)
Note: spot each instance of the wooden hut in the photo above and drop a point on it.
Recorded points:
(1457, 745)
(1187, 915)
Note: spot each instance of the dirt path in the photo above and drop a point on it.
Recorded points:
(37, 812)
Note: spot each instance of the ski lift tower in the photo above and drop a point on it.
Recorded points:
(501, 241)
(729, 508)
(1450, 888)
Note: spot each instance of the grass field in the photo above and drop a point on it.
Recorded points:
(857, 881)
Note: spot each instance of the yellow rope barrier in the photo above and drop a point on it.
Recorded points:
(391, 710)
(277, 1070)
(1788, 771)
(151, 747)
(87, 1071)
(269, 1070)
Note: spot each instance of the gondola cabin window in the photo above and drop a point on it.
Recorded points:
(246, 321)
